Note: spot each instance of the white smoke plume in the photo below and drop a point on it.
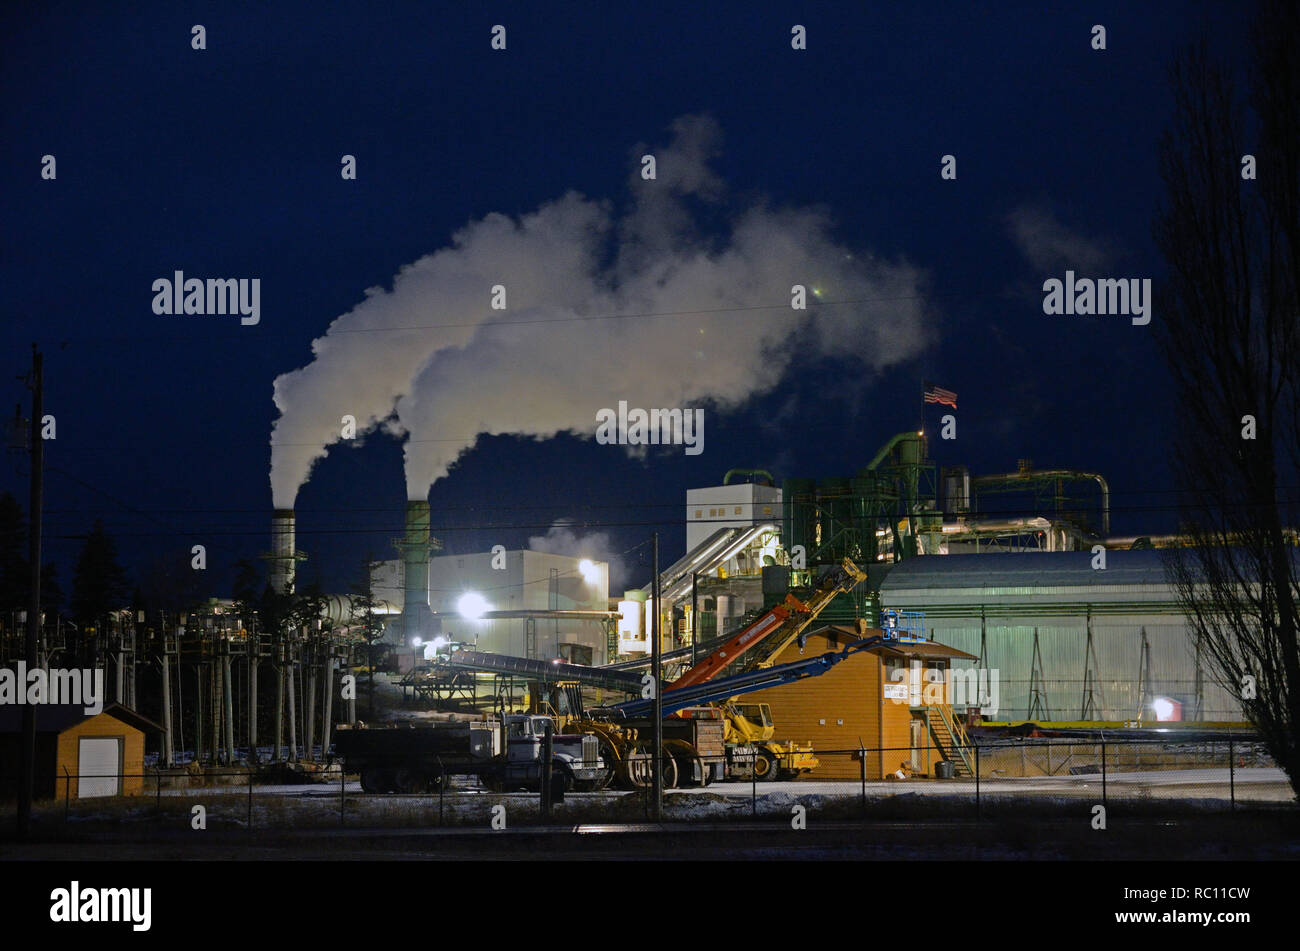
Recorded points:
(542, 366)
(561, 539)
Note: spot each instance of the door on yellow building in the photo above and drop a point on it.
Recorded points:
(918, 743)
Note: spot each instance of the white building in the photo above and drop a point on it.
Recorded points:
(521, 581)
(738, 505)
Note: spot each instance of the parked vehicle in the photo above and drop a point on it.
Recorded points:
(504, 753)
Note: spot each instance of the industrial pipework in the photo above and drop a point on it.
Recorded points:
(1028, 476)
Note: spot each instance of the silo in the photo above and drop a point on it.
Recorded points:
(956, 490)
(631, 631)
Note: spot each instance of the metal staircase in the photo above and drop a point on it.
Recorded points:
(950, 737)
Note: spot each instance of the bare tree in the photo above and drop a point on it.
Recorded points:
(1230, 329)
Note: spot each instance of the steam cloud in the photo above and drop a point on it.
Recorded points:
(539, 368)
(561, 539)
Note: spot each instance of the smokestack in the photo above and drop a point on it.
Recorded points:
(283, 557)
(414, 546)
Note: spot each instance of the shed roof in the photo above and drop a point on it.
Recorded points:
(60, 717)
(926, 649)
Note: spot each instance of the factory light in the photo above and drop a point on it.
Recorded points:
(1167, 709)
(472, 605)
(590, 573)
(439, 643)
(417, 641)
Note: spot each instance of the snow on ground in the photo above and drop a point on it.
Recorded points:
(1199, 783)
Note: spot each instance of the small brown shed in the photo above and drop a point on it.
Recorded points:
(875, 699)
(77, 755)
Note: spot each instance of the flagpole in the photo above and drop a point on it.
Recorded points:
(925, 385)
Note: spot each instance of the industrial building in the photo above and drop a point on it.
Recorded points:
(1019, 594)
(875, 701)
(732, 504)
(1017, 597)
(1070, 642)
(523, 603)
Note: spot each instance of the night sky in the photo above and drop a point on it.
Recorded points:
(225, 162)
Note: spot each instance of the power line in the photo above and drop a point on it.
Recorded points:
(1076, 502)
(597, 525)
(245, 334)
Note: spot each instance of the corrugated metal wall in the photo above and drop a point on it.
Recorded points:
(1117, 670)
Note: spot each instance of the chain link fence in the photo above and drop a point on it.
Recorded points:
(1026, 779)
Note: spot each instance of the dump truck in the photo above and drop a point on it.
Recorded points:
(505, 753)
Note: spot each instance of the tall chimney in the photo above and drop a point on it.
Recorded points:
(415, 545)
(283, 557)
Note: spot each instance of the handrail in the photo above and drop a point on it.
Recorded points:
(960, 740)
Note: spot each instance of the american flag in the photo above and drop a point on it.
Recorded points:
(937, 394)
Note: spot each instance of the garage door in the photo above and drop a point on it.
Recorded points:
(99, 761)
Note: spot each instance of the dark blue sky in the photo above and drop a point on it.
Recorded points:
(226, 162)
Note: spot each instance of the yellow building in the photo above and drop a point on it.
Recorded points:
(77, 755)
(889, 700)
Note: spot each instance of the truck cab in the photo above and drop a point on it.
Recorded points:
(575, 758)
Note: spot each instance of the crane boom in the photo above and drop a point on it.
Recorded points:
(760, 679)
(845, 578)
(789, 619)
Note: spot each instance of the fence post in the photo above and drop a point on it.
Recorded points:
(250, 800)
(67, 792)
(862, 769)
(1232, 774)
(1104, 801)
(158, 796)
(343, 793)
(544, 776)
(977, 780)
(753, 782)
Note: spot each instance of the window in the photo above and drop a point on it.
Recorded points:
(699, 513)
(737, 509)
(767, 510)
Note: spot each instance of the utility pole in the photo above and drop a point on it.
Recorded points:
(656, 672)
(27, 782)
(695, 614)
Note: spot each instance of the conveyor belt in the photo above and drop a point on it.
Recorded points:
(546, 670)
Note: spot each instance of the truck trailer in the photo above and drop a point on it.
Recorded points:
(505, 754)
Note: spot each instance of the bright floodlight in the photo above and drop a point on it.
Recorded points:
(472, 605)
(417, 641)
(439, 643)
(590, 572)
(1164, 708)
